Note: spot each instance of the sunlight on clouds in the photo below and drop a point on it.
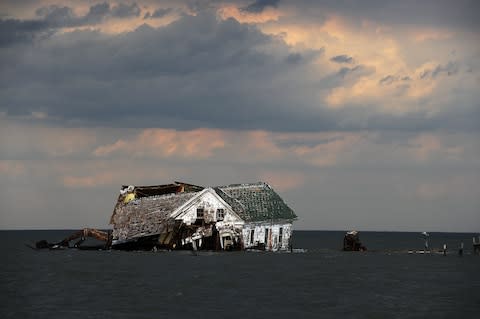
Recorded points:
(317, 149)
(375, 47)
(328, 153)
(88, 181)
(443, 189)
(232, 11)
(100, 172)
(200, 143)
(427, 145)
(283, 180)
(422, 35)
(33, 140)
(12, 168)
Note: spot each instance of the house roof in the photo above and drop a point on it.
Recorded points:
(154, 204)
(147, 215)
(255, 202)
(154, 191)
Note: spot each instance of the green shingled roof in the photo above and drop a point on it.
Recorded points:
(255, 202)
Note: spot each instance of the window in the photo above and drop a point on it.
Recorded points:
(266, 236)
(252, 234)
(280, 236)
(220, 214)
(200, 213)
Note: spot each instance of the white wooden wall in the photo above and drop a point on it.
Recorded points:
(210, 203)
(273, 241)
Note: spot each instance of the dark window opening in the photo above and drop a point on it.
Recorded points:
(280, 236)
(252, 233)
(220, 214)
(200, 213)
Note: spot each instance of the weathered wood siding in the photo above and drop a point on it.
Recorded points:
(210, 203)
(273, 241)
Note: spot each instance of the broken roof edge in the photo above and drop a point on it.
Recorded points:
(175, 183)
(141, 188)
(256, 184)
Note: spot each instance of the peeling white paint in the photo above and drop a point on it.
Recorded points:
(273, 236)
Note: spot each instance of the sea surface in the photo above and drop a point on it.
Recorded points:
(317, 280)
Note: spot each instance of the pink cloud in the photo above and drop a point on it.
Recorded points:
(267, 15)
(12, 168)
(48, 141)
(161, 143)
(454, 186)
(283, 181)
(424, 146)
(87, 181)
(327, 153)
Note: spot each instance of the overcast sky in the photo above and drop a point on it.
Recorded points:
(361, 114)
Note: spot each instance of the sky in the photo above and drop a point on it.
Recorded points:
(361, 114)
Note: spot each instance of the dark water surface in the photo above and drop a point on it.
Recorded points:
(320, 283)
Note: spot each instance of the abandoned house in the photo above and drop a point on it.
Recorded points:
(185, 216)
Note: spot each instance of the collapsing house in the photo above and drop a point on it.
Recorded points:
(185, 216)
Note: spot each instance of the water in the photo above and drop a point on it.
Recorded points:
(320, 283)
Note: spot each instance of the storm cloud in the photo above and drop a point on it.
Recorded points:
(259, 5)
(369, 107)
(213, 73)
(50, 19)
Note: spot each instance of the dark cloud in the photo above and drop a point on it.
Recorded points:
(95, 14)
(212, 73)
(56, 16)
(445, 13)
(451, 68)
(342, 59)
(53, 17)
(294, 58)
(59, 17)
(14, 31)
(390, 79)
(259, 5)
(123, 10)
(159, 13)
(359, 70)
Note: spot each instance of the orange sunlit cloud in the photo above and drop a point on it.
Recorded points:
(426, 145)
(88, 181)
(422, 35)
(232, 11)
(283, 181)
(12, 168)
(199, 143)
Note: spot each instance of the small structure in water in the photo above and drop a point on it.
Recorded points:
(425, 237)
(351, 242)
(476, 245)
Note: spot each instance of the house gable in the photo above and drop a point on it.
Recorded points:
(212, 207)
